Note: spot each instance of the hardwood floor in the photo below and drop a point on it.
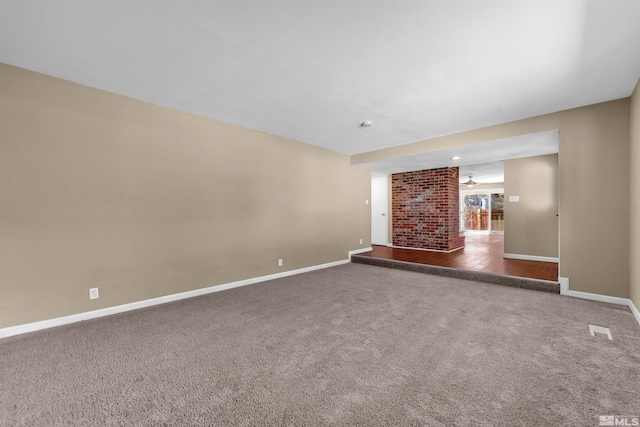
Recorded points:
(483, 252)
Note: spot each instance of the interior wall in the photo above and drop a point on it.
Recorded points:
(635, 197)
(141, 201)
(531, 224)
(593, 163)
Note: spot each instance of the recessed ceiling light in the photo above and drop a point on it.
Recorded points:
(366, 123)
(456, 158)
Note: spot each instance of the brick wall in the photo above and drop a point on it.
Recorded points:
(425, 209)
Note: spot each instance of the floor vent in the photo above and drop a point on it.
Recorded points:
(600, 332)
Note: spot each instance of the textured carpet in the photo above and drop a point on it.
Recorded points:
(457, 273)
(350, 345)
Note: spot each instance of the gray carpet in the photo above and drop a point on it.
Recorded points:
(478, 276)
(350, 345)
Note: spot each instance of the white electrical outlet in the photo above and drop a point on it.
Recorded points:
(366, 202)
(93, 293)
(280, 262)
(360, 241)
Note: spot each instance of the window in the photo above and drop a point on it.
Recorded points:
(482, 210)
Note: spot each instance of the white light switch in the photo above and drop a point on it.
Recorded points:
(514, 198)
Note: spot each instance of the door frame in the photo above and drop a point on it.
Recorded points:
(477, 191)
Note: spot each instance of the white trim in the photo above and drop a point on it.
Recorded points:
(64, 320)
(596, 297)
(564, 285)
(356, 252)
(59, 321)
(634, 310)
(530, 257)
(564, 290)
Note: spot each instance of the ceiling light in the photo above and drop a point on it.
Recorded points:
(456, 158)
(471, 182)
(366, 123)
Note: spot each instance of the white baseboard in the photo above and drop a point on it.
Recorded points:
(634, 310)
(59, 321)
(596, 297)
(564, 290)
(64, 320)
(530, 257)
(358, 251)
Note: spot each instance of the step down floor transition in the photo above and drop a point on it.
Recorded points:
(479, 276)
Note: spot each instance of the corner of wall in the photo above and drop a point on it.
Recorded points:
(634, 244)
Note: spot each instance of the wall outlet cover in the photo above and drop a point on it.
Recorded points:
(93, 293)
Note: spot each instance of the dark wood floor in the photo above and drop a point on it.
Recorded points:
(483, 252)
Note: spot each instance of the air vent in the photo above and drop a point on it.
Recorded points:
(600, 332)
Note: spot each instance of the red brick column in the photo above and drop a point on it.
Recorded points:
(425, 209)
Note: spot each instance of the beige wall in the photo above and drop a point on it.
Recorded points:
(593, 161)
(531, 224)
(635, 197)
(99, 190)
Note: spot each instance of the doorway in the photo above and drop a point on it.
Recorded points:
(482, 210)
(379, 210)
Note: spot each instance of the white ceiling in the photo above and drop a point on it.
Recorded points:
(483, 160)
(314, 70)
(486, 173)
